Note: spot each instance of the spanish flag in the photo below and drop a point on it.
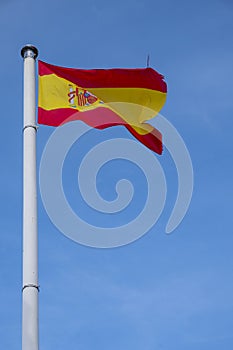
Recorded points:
(102, 98)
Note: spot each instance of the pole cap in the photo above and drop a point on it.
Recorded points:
(29, 51)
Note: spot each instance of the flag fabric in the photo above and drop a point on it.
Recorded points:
(102, 98)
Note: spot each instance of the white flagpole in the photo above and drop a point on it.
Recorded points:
(30, 337)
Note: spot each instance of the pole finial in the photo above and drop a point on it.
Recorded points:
(29, 51)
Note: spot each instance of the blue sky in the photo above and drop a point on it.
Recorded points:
(161, 292)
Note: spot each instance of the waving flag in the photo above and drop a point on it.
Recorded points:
(102, 98)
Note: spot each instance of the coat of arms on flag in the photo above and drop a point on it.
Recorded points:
(79, 97)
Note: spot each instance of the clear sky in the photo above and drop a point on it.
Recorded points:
(162, 291)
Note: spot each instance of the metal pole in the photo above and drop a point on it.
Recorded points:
(30, 339)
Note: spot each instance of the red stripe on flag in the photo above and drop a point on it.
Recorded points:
(99, 118)
(146, 78)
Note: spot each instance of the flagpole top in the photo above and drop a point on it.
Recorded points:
(29, 51)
